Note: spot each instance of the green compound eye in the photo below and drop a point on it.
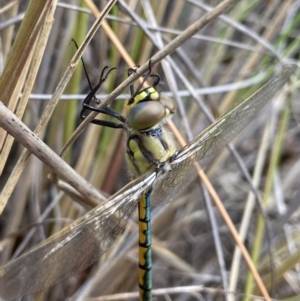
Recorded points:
(149, 109)
(168, 103)
(146, 114)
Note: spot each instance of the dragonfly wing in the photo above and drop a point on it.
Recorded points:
(171, 185)
(75, 247)
(215, 137)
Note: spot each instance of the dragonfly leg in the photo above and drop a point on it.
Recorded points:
(86, 106)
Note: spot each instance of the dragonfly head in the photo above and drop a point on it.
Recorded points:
(146, 108)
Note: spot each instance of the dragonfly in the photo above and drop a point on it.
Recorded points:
(158, 168)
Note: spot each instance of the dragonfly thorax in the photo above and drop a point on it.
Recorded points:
(146, 150)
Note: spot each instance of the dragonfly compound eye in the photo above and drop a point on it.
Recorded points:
(168, 103)
(148, 108)
(146, 114)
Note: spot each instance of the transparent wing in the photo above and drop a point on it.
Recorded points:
(215, 137)
(75, 247)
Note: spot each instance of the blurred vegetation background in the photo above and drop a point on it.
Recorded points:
(224, 63)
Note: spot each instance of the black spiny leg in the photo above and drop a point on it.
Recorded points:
(86, 106)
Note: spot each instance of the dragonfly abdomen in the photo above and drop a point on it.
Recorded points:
(145, 252)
